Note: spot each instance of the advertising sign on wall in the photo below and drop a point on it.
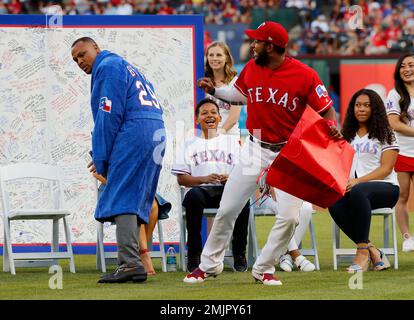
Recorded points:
(358, 74)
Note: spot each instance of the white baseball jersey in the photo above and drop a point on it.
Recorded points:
(367, 158)
(406, 143)
(225, 109)
(201, 157)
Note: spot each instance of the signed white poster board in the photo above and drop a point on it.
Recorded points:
(45, 111)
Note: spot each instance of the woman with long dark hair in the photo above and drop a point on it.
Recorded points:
(400, 109)
(373, 183)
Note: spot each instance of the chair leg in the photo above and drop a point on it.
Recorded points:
(184, 256)
(55, 239)
(253, 249)
(100, 250)
(183, 236)
(313, 240)
(98, 257)
(162, 248)
(335, 244)
(395, 243)
(386, 231)
(69, 245)
(6, 260)
(9, 247)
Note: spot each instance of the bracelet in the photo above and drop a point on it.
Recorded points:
(211, 91)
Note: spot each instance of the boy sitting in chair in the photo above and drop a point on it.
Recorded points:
(203, 165)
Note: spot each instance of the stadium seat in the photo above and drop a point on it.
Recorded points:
(254, 251)
(322, 68)
(287, 17)
(52, 208)
(348, 253)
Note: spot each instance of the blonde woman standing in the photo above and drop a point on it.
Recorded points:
(219, 68)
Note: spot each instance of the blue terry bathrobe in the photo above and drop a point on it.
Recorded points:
(128, 139)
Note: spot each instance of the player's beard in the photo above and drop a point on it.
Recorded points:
(262, 58)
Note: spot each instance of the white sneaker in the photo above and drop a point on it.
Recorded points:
(304, 264)
(408, 245)
(286, 262)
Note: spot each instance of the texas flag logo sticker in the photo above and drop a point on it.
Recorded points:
(321, 91)
(105, 104)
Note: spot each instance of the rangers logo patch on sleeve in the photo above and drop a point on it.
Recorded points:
(321, 91)
(105, 104)
(389, 105)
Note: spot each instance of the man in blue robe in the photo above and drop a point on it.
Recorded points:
(128, 143)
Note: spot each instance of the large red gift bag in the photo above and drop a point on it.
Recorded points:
(312, 165)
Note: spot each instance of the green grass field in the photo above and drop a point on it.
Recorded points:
(326, 284)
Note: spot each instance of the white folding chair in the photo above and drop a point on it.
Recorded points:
(258, 211)
(208, 212)
(347, 254)
(51, 176)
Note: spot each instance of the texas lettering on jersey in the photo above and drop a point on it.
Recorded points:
(259, 94)
(212, 156)
(276, 98)
(366, 147)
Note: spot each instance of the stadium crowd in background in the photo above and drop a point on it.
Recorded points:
(323, 26)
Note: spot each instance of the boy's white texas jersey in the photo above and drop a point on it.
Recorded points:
(202, 157)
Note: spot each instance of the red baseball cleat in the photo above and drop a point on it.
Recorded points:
(198, 276)
(267, 279)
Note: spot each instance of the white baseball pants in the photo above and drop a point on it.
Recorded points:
(239, 187)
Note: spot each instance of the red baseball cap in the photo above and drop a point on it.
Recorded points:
(271, 32)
